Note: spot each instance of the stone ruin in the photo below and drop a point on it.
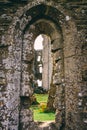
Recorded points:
(65, 22)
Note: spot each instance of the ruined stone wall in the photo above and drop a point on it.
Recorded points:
(16, 56)
(77, 61)
(47, 63)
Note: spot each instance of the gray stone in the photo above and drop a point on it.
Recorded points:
(64, 22)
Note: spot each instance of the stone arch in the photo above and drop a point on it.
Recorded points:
(31, 18)
(47, 28)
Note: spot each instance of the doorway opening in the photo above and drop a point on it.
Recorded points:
(42, 78)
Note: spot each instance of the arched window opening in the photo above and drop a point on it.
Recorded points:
(42, 75)
(43, 60)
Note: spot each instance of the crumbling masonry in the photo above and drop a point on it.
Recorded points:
(65, 22)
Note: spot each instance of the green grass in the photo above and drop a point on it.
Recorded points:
(38, 114)
(41, 97)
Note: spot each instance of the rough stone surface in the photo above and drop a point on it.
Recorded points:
(66, 23)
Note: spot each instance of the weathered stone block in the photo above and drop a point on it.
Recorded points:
(58, 16)
(25, 118)
(25, 77)
(57, 44)
(58, 66)
(84, 75)
(26, 89)
(57, 78)
(28, 49)
(84, 48)
(72, 69)
(2, 78)
(2, 88)
(28, 56)
(58, 55)
(2, 81)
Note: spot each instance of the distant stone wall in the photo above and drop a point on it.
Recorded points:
(47, 63)
(66, 24)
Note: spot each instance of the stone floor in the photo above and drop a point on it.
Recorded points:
(49, 125)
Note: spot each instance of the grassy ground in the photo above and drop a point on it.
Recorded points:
(39, 114)
(41, 97)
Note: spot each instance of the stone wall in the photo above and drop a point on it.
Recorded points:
(20, 23)
(47, 63)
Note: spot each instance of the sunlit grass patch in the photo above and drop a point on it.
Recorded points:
(39, 110)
